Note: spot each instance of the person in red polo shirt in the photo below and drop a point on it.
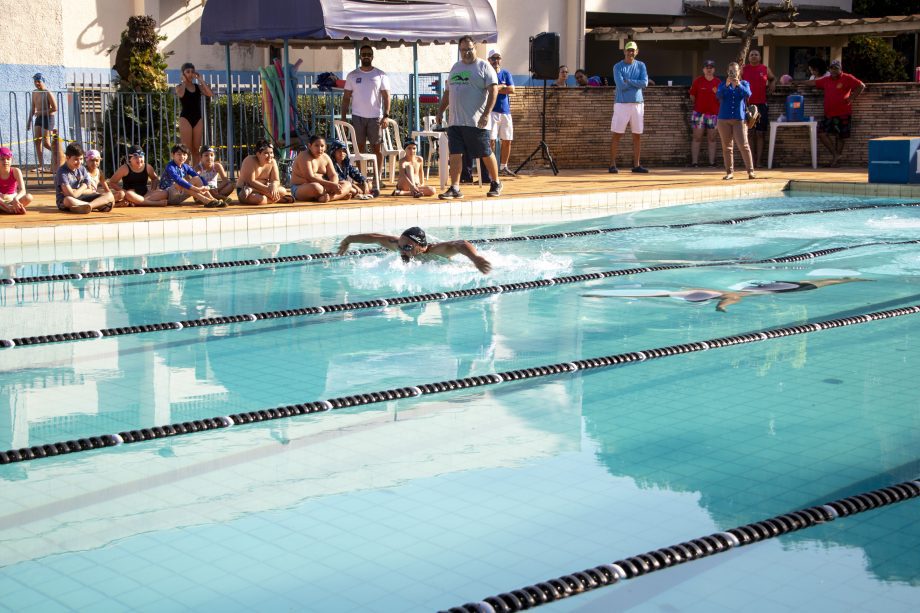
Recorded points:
(705, 112)
(840, 90)
(763, 82)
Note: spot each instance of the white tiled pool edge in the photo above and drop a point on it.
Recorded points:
(332, 221)
(255, 227)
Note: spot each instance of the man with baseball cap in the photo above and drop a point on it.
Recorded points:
(840, 90)
(631, 77)
(502, 127)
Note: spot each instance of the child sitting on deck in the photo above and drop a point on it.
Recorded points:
(73, 192)
(178, 188)
(213, 175)
(133, 179)
(13, 196)
(360, 186)
(97, 179)
(411, 181)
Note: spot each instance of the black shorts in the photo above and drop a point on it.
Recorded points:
(763, 121)
(836, 126)
(466, 139)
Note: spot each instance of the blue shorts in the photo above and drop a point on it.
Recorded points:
(467, 139)
(44, 121)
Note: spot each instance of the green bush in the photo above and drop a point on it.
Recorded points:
(872, 60)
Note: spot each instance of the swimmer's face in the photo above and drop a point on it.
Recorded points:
(409, 248)
(339, 155)
(410, 151)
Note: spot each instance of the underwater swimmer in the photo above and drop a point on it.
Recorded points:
(727, 298)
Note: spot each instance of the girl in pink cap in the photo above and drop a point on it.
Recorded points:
(13, 196)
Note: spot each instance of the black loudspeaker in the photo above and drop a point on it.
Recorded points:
(544, 55)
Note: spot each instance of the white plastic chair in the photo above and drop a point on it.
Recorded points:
(345, 132)
(392, 148)
(430, 122)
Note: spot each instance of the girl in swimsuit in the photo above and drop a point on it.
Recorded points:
(134, 178)
(213, 175)
(97, 179)
(42, 112)
(13, 196)
(189, 93)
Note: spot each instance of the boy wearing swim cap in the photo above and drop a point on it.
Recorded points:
(413, 242)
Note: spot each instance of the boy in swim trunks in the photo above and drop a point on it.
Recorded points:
(260, 181)
(411, 181)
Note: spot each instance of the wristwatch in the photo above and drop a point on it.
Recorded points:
(386, 115)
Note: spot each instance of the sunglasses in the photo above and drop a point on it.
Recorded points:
(407, 247)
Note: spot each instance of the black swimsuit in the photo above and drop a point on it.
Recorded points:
(191, 105)
(136, 181)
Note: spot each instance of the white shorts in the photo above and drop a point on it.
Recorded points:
(502, 128)
(628, 113)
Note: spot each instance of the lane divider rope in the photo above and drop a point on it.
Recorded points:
(282, 412)
(330, 255)
(488, 290)
(604, 575)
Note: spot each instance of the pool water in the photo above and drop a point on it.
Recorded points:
(427, 503)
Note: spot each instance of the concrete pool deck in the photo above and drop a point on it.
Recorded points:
(572, 193)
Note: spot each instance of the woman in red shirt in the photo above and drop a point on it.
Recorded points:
(705, 112)
(763, 82)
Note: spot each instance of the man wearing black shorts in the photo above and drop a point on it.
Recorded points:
(470, 95)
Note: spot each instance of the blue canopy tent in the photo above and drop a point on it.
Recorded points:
(334, 23)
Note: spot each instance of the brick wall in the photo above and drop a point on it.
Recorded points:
(578, 125)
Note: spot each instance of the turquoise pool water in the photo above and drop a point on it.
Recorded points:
(424, 504)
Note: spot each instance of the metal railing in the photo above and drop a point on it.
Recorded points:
(96, 115)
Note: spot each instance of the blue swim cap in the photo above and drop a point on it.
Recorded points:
(38, 77)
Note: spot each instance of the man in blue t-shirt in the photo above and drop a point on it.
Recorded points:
(631, 78)
(502, 128)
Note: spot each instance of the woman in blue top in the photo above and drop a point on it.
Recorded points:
(733, 95)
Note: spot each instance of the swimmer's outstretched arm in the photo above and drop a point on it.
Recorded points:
(452, 248)
(386, 241)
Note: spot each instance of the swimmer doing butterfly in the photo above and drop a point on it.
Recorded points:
(413, 242)
(725, 298)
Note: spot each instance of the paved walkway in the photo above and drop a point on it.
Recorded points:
(43, 211)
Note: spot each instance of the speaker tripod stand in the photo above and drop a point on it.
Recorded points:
(542, 148)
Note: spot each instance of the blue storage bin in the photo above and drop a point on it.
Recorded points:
(893, 159)
(795, 108)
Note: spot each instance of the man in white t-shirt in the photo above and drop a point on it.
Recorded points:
(369, 87)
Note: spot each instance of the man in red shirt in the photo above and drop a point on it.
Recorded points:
(840, 90)
(705, 112)
(762, 82)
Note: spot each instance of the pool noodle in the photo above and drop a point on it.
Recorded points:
(269, 117)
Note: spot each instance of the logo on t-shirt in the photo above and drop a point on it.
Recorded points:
(358, 80)
(460, 77)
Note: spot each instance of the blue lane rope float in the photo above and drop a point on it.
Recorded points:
(604, 575)
(330, 255)
(424, 389)
(61, 337)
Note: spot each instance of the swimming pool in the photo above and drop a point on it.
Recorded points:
(426, 503)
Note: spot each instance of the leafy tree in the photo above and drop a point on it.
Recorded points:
(143, 111)
(873, 60)
(883, 8)
(754, 13)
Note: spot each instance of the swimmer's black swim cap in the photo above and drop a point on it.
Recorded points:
(416, 234)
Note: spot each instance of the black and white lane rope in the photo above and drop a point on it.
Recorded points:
(423, 389)
(330, 255)
(603, 575)
(60, 337)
